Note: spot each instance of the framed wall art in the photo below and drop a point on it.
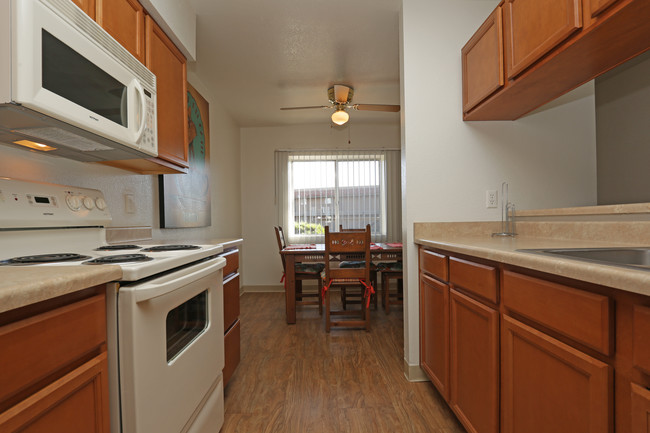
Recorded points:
(185, 198)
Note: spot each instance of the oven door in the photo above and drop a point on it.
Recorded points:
(170, 348)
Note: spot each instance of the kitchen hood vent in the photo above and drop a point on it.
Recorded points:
(19, 123)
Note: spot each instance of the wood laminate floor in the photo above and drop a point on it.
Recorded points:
(297, 378)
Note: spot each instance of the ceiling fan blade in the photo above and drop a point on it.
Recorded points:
(341, 94)
(306, 108)
(376, 107)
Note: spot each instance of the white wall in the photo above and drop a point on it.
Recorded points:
(260, 252)
(623, 130)
(115, 183)
(548, 158)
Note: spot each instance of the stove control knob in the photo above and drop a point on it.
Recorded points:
(100, 203)
(89, 203)
(73, 202)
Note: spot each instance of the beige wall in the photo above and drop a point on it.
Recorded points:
(115, 183)
(623, 133)
(260, 251)
(548, 158)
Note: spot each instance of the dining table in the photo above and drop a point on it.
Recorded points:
(315, 253)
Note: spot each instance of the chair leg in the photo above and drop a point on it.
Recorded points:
(298, 290)
(343, 298)
(320, 297)
(327, 311)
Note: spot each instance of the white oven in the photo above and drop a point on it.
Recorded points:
(164, 317)
(170, 350)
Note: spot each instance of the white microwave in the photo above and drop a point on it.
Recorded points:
(68, 88)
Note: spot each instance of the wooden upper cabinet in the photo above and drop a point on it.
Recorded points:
(124, 20)
(534, 27)
(598, 6)
(548, 386)
(482, 59)
(87, 6)
(169, 65)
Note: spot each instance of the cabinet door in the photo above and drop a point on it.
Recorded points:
(169, 66)
(124, 20)
(76, 403)
(482, 59)
(230, 301)
(474, 364)
(434, 332)
(640, 409)
(548, 386)
(598, 6)
(87, 6)
(534, 27)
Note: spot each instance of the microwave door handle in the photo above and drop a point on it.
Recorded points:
(140, 91)
(149, 291)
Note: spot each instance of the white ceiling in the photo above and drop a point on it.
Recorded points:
(260, 55)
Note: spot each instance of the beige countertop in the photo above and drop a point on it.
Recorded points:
(475, 239)
(24, 285)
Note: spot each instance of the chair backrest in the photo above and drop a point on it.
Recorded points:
(347, 245)
(341, 229)
(279, 236)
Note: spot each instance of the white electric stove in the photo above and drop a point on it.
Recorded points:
(164, 316)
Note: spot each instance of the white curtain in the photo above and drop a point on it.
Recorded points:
(338, 187)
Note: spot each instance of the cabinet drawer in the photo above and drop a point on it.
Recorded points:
(582, 316)
(641, 333)
(231, 345)
(476, 278)
(44, 345)
(434, 264)
(230, 301)
(232, 262)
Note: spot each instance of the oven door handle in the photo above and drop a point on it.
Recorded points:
(177, 280)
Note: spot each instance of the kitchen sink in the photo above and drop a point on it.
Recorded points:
(637, 257)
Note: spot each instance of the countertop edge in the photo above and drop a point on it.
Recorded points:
(625, 279)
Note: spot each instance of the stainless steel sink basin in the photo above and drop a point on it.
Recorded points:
(637, 258)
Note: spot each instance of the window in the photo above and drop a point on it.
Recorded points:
(337, 188)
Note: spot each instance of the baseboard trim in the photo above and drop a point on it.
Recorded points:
(263, 289)
(414, 373)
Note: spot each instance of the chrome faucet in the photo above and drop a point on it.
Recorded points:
(507, 214)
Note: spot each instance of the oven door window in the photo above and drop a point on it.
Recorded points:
(185, 323)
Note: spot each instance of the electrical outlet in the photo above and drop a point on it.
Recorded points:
(491, 198)
(129, 203)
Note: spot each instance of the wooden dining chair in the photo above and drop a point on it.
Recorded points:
(303, 271)
(354, 295)
(338, 247)
(391, 271)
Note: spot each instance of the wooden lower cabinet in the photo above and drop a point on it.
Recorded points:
(76, 403)
(640, 409)
(231, 322)
(434, 332)
(54, 374)
(548, 386)
(474, 363)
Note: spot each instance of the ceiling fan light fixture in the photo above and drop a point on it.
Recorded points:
(340, 117)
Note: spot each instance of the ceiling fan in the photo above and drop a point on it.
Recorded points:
(340, 97)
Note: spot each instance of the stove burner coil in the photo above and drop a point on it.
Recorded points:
(46, 258)
(171, 248)
(119, 258)
(118, 247)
